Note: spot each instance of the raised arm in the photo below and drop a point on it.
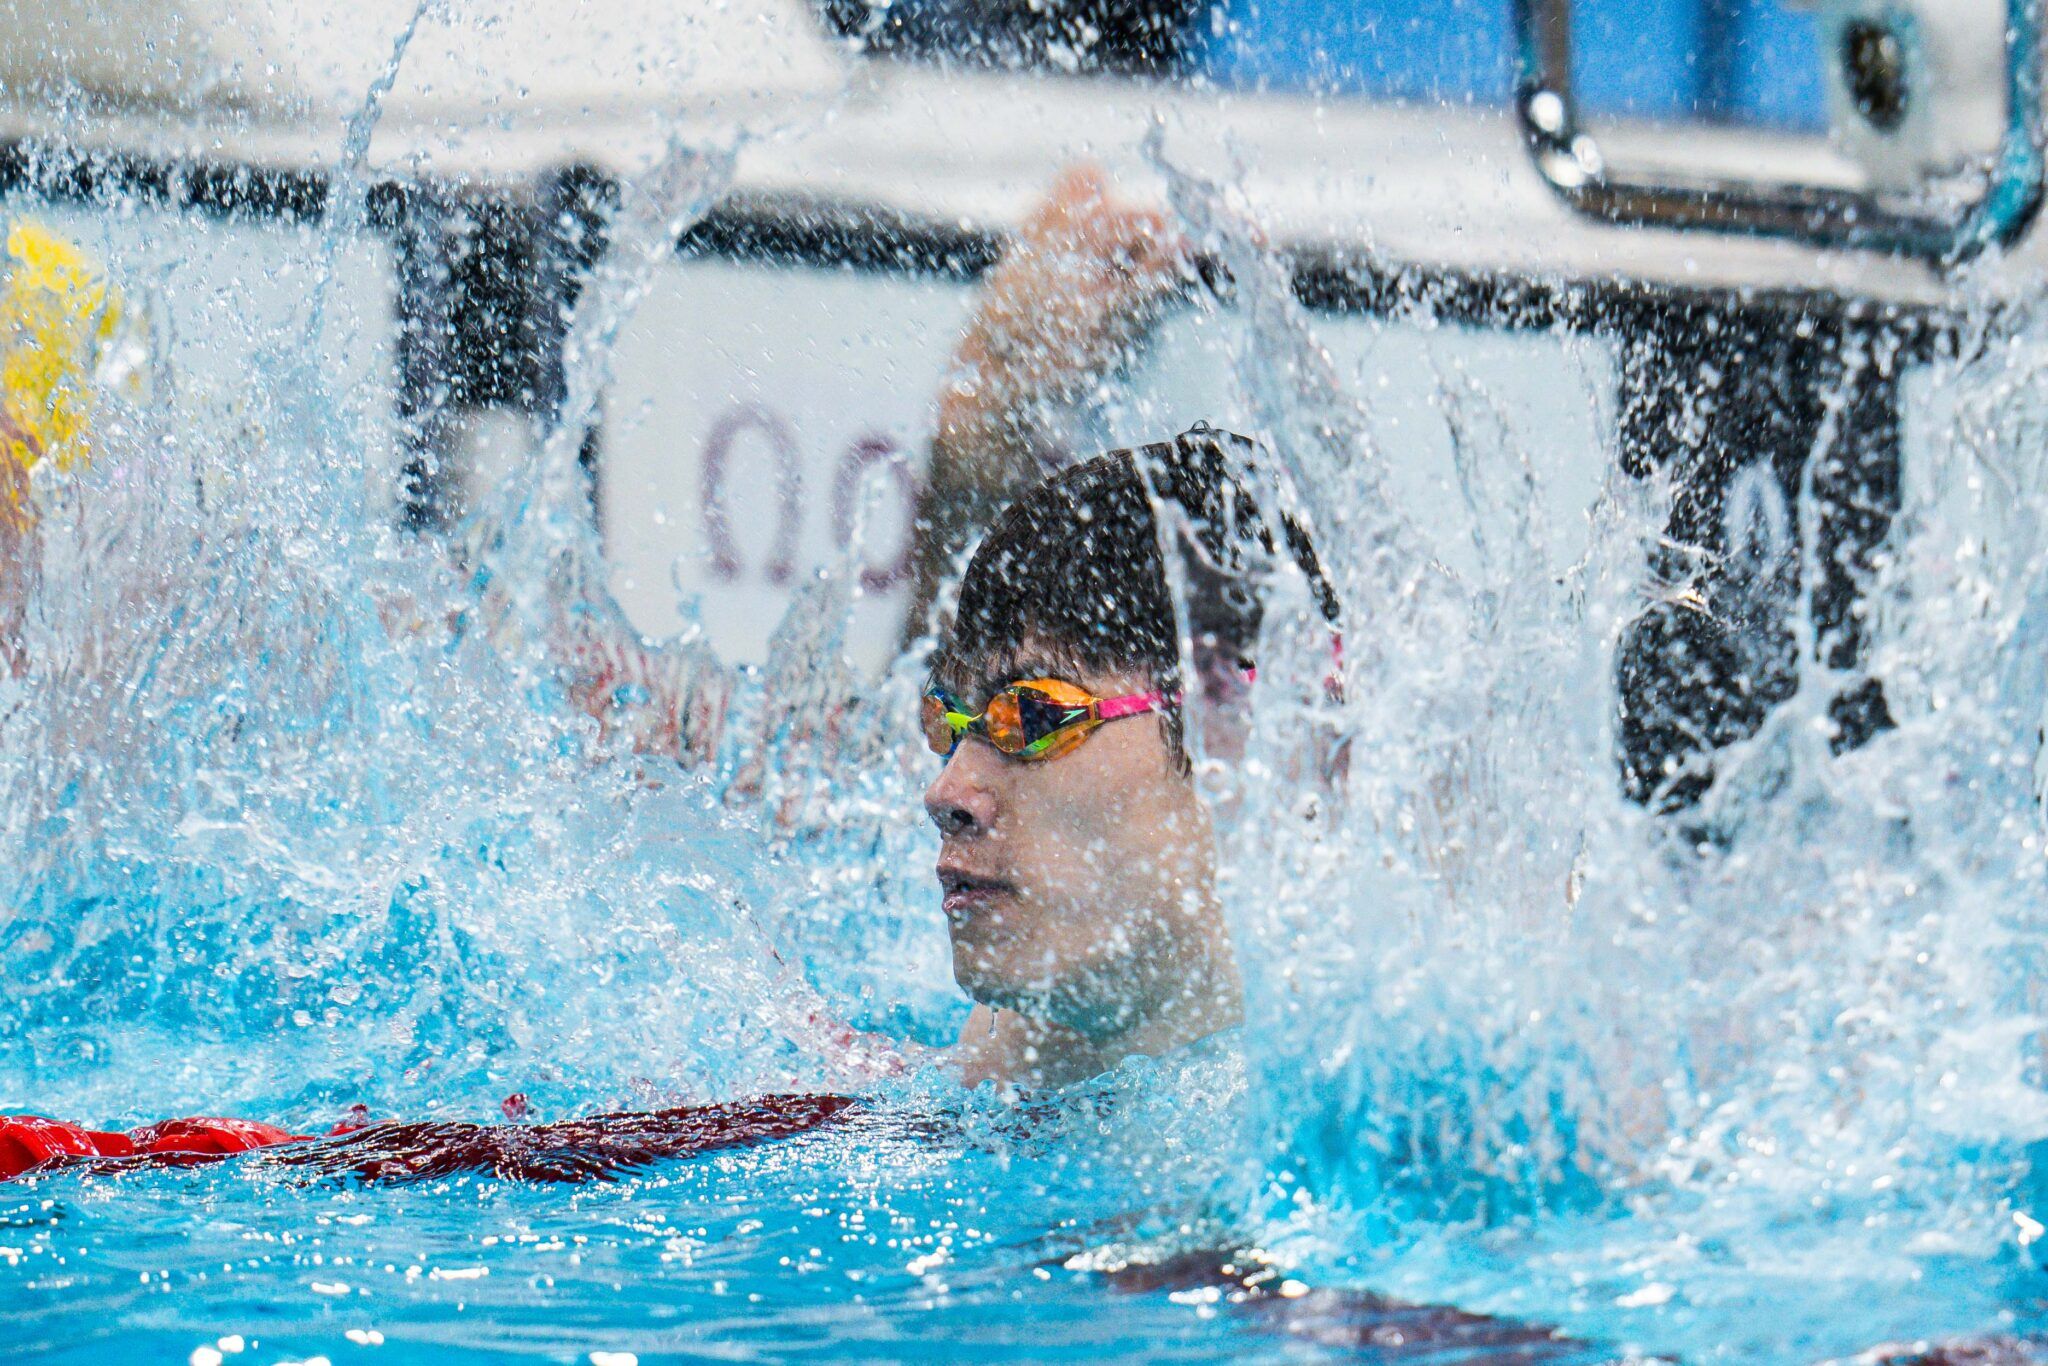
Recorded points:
(1078, 284)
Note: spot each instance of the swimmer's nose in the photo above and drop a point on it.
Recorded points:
(960, 800)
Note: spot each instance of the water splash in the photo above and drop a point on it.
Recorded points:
(1677, 1065)
(294, 814)
(297, 815)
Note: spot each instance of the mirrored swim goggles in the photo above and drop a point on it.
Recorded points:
(1039, 718)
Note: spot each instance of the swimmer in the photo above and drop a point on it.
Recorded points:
(1077, 874)
(67, 341)
(1077, 866)
(1077, 863)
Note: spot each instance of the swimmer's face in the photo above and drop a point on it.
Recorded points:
(1070, 884)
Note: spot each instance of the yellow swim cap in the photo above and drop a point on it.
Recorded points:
(61, 321)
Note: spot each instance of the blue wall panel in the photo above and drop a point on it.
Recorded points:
(1398, 49)
(1747, 60)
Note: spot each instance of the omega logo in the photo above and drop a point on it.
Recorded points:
(784, 467)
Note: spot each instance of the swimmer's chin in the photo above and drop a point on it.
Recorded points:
(981, 975)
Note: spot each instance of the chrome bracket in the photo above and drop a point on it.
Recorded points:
(1572, 161)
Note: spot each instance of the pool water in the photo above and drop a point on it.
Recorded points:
(915, 1233)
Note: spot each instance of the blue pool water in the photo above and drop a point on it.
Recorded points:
(914, 1234)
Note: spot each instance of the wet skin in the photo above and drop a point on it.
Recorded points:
(1079, 894)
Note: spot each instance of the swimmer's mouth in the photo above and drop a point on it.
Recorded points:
(965, 894)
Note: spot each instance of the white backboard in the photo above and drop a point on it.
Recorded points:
(748, 398)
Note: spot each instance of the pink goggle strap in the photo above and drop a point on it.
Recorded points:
(1137, 703)
(1110, 708)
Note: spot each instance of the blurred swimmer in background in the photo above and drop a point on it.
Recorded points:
(67, 344)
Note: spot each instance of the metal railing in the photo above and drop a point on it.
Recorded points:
(1575, 164)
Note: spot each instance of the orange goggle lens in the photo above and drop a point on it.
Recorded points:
(1040, 719)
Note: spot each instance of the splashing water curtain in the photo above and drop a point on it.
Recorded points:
(356, 784)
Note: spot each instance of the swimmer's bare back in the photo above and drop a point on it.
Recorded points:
(594, 1148)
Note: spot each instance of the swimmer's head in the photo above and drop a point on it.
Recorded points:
(1075, 886)
(1075, 566)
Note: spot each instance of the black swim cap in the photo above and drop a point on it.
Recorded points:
(1073, 568)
